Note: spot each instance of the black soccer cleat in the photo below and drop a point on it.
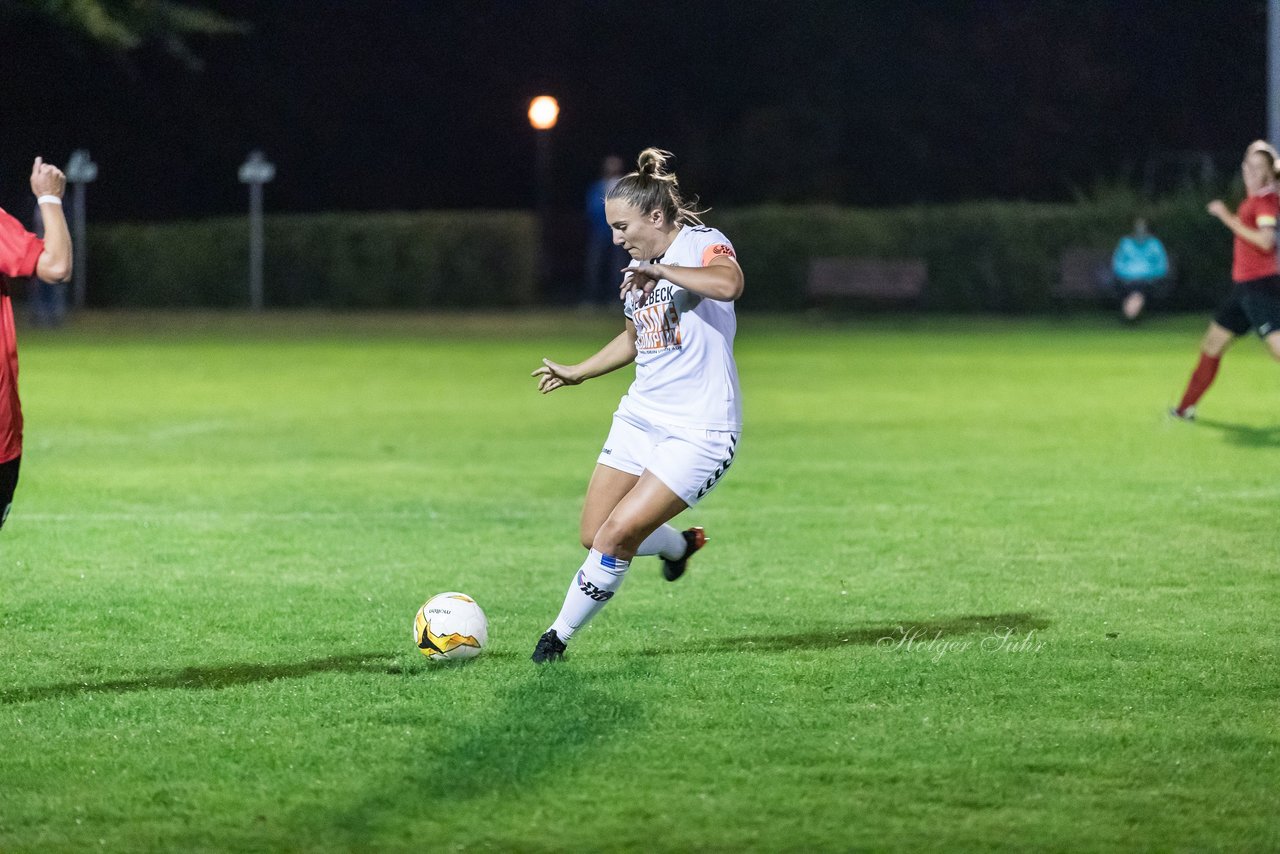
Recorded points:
(549, 648)
(694, 539)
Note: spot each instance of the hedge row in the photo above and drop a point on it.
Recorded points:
(365, 260)
(1001, 257)
(989, 256)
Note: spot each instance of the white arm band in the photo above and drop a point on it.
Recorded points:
(48, 200)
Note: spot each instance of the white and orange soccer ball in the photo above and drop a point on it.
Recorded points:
(450, 626)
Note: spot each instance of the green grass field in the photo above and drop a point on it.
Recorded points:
(967, 588)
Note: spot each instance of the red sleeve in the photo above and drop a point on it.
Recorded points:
(19, 248)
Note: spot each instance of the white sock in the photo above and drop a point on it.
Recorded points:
(666, 542)
(599, 578)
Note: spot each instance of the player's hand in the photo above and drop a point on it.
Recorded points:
(551, 376)
(640, 280)
(47, 179)
(1217, 208)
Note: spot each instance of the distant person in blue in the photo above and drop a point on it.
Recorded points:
(1139, 267)
(601, 276)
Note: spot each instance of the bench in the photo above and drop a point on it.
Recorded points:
(871, 279)
(1084, 274)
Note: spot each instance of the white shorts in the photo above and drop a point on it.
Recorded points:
(688, 460)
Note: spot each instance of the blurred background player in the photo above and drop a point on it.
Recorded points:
(675, 431)
(1139, 268)
(1255, 296)
(600, 275)
(24, 254)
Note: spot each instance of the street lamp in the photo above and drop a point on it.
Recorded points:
(543, 113)
(255, 172)
(81, 170)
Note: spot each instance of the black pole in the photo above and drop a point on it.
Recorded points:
(544, 209)
(79, 251)
(255, 246)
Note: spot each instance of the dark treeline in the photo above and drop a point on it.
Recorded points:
(401, 104)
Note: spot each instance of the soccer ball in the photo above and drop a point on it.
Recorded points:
(450, 626)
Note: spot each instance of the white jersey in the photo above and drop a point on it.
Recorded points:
(685, 372)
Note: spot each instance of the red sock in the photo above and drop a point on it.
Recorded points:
(1201, 379)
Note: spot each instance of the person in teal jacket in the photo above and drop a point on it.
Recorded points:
(1139, 267)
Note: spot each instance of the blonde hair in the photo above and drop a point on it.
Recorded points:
(653, 187)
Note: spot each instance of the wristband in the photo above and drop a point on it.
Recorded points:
(48, 199)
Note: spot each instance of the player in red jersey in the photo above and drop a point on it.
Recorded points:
(24, 254)
(1255, 297)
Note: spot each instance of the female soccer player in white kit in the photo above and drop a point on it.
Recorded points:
(675, 432)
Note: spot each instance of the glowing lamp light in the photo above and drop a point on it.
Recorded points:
(543, 112)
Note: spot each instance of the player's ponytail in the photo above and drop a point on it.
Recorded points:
(653, 187)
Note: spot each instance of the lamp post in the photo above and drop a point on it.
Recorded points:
(255, 172)
(543, 113)
(81, 170)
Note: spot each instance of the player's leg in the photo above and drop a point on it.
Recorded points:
(618, 469)
(1263, 308)
(1273, 345)
(626, 452)
(675, 547)
(607, 487)
(685, 465)
(692, 463)
(1222, 331)
(8, 484)
(1217, 339)
(1132, 305)
(647, 505)
(682, 466)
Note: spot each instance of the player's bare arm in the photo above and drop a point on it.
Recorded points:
(618, 353)
(48, 182)
(1263, 238)
(719, 280)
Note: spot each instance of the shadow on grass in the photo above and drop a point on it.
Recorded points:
(545, 721)
(550, 719)
(209, 678)
(1243, 434)
(827, 638)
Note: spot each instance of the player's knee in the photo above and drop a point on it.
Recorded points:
(1216, 341)
(617, 538)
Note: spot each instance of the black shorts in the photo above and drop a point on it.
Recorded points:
(1253, 304)
(8, 483)
(1151, 287)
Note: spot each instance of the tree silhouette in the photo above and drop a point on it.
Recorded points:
(123, 25)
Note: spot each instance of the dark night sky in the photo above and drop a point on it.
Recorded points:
(391, 104)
